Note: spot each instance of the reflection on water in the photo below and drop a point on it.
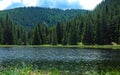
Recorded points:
(60, 57)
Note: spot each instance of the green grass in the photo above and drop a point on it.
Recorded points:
(31, 71)
(28, 71)
(101, 46)
(68, 46)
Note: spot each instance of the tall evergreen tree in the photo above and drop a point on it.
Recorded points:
(7, 33)
(36, 37)
(59, 31)
(54, 37)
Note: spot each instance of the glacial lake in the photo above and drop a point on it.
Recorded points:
(69, 59)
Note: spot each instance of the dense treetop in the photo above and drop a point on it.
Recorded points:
(100, 26)
(29, 16)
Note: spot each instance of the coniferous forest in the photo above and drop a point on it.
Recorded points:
(100, 26)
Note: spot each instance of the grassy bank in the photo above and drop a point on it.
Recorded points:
(68, 46)
(101, 46)
(30, 71)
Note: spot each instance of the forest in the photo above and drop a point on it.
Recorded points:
(100, 26)
(29, 16)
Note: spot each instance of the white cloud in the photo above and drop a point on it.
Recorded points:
(86, 4)
(72, 1)
(30, 2)
(89, 4)
(16, 1)
(4, 4)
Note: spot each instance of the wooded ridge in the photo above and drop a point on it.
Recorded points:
(100, 26)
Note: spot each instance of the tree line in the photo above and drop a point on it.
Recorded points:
(29, 16)
(101, 26)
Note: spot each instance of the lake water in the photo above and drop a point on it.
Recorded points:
(63, 58)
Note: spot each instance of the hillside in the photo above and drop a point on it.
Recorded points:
(99, 27)
(29, 16)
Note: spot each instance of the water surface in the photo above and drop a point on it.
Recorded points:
(62, 58)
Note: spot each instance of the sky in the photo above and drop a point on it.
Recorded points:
(61, 4)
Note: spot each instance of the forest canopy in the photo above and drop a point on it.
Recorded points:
(100, 26)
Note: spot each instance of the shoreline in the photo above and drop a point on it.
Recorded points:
(68, 46)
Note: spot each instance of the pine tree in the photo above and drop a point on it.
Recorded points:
(7, 33)
(1, 34)
(73, 35)
(54, 37)
(36, 37)
(89, 32)
(59, 30)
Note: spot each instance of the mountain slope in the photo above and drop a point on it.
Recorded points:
(28, 17)
(101, 26)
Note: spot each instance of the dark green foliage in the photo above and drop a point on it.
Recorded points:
(37, 40)
(7, 32)
(1, 34)
(59, 31)
(11, 34)
(101, 26)
(54, 37)
(88, 36)
(107, 26)
(29, 16)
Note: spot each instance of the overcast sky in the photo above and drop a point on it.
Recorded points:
(62, 4)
